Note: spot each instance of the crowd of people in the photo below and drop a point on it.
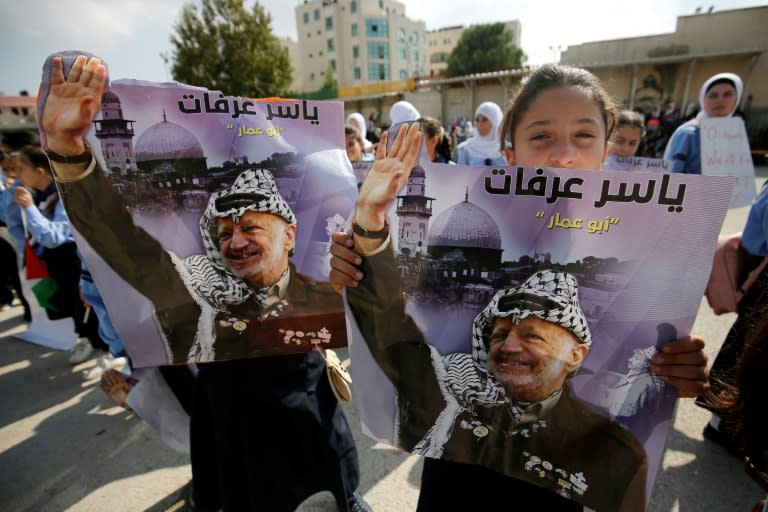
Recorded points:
(235, 463)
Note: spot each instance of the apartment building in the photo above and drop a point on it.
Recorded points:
(358, 41)
(441, 42)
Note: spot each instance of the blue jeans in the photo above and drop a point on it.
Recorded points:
(106, 329)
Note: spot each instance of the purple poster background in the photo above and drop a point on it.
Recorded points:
(640, 245)
(147, 131)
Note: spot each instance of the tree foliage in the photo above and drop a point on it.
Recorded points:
(484, 48)
(223, 46)
(329, 83)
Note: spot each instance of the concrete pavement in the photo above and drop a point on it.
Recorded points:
(63, 446)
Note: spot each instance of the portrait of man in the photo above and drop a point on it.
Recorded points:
(507, 404)
(242, 297)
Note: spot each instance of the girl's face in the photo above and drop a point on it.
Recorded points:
(625, 140)
(354, 148)
(720, 100)
(563, 128)
(482, 125)
(27, 174)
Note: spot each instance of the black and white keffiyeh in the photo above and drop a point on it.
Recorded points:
(464, 378)
(212, 285)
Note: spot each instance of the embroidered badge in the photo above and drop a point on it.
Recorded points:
(478, 429)
(321, 337)
(565, 481)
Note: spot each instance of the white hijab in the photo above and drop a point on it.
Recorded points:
(486, 146)
(362, 128)
(403, 112)
(737, 83)
(359, 123)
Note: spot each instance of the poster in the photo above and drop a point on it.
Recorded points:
(635, 163)
(161, 222)
(725, 152)
(479, 252)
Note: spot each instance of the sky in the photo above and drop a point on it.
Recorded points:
(131, 35)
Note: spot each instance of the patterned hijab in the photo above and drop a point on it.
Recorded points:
(551, 296)
(464, 378)
(254, 190)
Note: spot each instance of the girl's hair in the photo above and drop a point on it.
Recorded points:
(551, 76)
(747, 398)
(351, 130)
(631, 118)
(430, 126)
(36, 157)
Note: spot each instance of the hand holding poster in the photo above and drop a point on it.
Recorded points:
(516, 330)
(725, 152)
(205, 219)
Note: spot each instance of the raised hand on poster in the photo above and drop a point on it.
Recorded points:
(72, 103)
(387, 176)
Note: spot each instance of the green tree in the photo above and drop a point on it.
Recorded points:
(329, 83)
(223, 46)
(483, 48)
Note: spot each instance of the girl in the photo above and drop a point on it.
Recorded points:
(560, 117)
(752, 309)
(483, 147)
(628, 134)
(719, 97)
(48, 225)
(354, 144)
(435, 141)
(357, 120)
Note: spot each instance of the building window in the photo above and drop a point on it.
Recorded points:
(403, 53)
(310, 55)
(306, 17)
(403, 74)
(381, 4)
(415, 56)
(331, 45)
(329, 23)
(376, 28)
(355, 52)
(311, 76)
(317, 14)
(357, 73)
(401, 33)
(333, 64)
(354, 29)
(353, 6)
(415, 37)
(378, 50)
(378, 71)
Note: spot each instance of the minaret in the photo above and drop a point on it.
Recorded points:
(115, 134)
(414, 210)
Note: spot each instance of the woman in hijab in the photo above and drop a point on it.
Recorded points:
(483, 147)
(719, 97)
(357, 120)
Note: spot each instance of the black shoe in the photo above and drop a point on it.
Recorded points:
(723, 439)
(357, 504)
